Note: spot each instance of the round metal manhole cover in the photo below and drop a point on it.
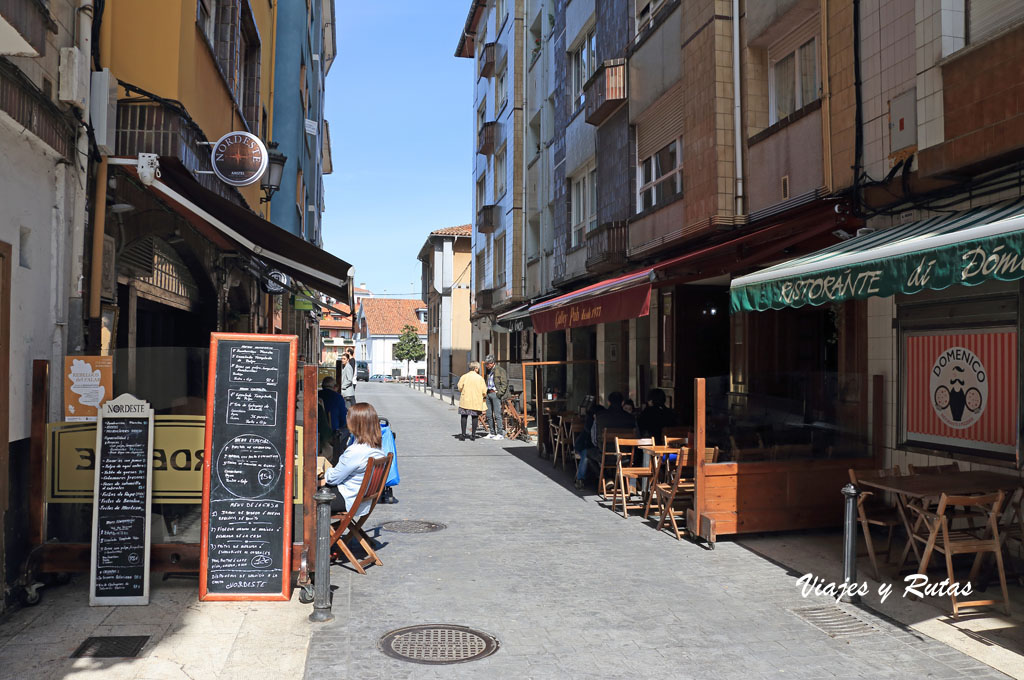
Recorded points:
(412, 526)
(438, 644)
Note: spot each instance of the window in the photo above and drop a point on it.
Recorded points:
(480, 278)
(481, 116)
(794, 80)
(582, 61)
(660, 177)
(645, 11)
(248, 90)
(206, 17)
(499, 262)
(500, 91)
(583, 205)
(481, 42)
(500, 11)
(303, 90)
(481, 193)
(499, 173)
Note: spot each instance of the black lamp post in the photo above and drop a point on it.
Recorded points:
(271, 181)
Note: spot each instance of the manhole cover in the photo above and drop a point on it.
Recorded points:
(438, 644)
(834, 622)
(412, 526)
(112, 646)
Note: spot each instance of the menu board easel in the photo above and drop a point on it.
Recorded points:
(121, 512)
(245, 551)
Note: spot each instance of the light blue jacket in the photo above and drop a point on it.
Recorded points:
(347, 475)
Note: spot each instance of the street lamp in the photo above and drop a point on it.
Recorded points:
(271, 181)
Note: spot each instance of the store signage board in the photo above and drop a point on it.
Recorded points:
(119, 567)
(239, 158)
(178, 455)
(88, 382)
(247, 517)
(960, 389)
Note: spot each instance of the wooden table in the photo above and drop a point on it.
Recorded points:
(921, 486)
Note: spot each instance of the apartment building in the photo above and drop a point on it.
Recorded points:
(447, 275)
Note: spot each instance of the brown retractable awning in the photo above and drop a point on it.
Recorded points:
(247, 231)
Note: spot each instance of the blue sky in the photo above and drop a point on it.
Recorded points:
(400, 106)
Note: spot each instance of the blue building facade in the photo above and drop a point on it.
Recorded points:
(305, 50)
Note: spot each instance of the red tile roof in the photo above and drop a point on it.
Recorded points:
(461, 230)
(388, 317)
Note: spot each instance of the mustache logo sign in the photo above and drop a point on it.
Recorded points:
(959, 387)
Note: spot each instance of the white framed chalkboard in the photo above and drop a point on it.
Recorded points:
(121, 506)
(245, 550)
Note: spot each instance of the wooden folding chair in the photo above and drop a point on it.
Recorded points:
(349, 526)
(564, 442)
(936, 535)
(675, 497)
(627, 477)
(675, 432)
(609, 459)
(872, 512)
(575, 428)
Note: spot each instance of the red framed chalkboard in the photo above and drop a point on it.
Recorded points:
(245, 552)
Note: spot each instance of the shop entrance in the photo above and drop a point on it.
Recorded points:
(5, 353)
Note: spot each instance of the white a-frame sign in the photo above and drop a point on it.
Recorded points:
(123, 491)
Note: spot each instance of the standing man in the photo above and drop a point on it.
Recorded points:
(497, 391)
(348, 379)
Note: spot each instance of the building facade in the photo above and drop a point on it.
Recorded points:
(447, 272)
(379, 326)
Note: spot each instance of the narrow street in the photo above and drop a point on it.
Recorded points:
(572, 590)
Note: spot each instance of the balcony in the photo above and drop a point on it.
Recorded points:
(606, 247)
(485, 138)
(485, 300)
(23, 26)
(487, 219)
(149, 127)
(487, 59)
(31, 109)
(605, 91)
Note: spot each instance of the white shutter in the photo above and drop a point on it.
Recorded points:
(989, 17)
(661, 123)
(788, 43)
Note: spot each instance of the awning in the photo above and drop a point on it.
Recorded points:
(293, 255)
(517, 319)
(966, 248)
(618, 299)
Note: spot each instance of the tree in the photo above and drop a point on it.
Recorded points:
(409, 348)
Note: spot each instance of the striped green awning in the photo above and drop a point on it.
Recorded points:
(966, 248)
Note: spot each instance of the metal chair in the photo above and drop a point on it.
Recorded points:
(871, 512)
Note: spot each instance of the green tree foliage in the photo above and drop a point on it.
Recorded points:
(409, 348)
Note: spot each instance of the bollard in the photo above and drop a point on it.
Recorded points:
(322, 583)
(850, 541)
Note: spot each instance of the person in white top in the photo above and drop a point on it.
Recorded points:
(347, 476)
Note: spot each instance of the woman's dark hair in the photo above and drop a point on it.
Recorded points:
(364, 424)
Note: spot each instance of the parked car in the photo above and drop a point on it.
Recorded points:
(420, 379)
(362, 371)
(378, 377)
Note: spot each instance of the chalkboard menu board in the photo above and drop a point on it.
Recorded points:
(119, 568)
(247, 473)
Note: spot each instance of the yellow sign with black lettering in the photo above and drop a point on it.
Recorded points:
(178, 443)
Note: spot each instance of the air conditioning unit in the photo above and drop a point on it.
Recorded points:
(73, 83)
(103, 110)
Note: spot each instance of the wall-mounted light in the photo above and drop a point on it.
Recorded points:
(271, 181)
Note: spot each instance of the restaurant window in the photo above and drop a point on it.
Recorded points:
(582, 61)
(666, 338)
(960, 375)
(793, 83)
(583, 205)
(660, 176)
(500, 170)
(499, 262)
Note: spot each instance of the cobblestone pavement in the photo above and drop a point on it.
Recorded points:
(572, 590)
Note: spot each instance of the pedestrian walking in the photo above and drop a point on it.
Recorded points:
(472, 399)
(497, 392)
(348, 379)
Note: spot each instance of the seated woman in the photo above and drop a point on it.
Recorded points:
(347, 476)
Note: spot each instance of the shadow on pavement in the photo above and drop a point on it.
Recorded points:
(528, 454)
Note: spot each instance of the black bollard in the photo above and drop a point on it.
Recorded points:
(322, 582)
(850, 541)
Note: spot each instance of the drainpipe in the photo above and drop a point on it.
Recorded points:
(81, 167)
(826, 101)
(737, 104)
(100, 207)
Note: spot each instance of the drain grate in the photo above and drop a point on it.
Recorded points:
(126, 646)
(834, 621)
(438, 644)
(412, 526)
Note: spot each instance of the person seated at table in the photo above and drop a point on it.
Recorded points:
(614, 417)
(629, 406)
(347, 476)
(656, 416)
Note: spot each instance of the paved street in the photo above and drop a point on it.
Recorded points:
(572, 590)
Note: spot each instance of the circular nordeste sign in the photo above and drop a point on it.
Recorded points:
(274, 282)
(239, 158)
(959, 387)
